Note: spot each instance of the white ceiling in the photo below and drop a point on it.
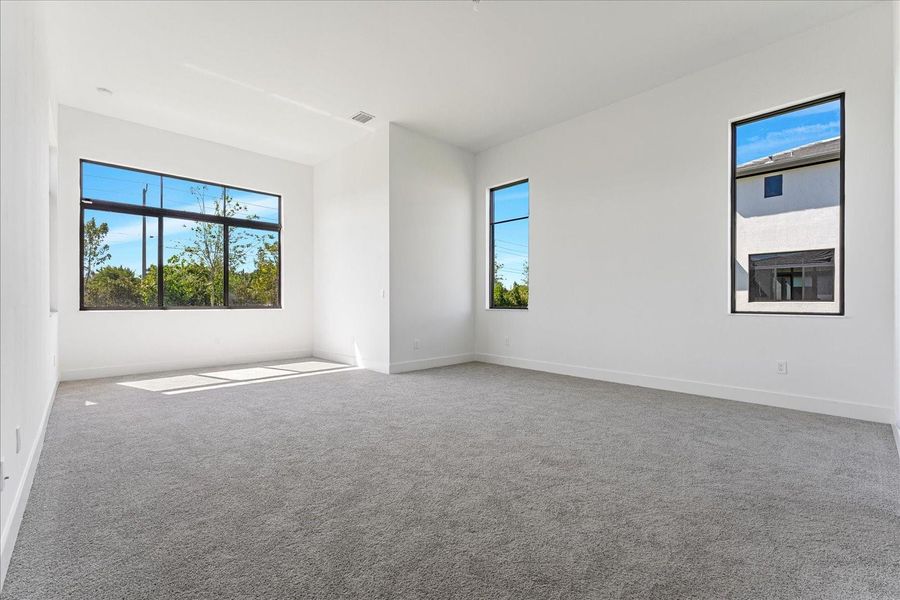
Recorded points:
(281, 78)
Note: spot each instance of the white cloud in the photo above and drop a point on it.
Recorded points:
(784, 139)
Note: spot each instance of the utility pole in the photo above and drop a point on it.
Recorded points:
(144, 235)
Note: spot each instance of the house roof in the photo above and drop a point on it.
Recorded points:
(821, 151)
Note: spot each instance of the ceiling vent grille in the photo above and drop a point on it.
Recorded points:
(362, 117)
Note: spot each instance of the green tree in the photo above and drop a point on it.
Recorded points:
(113, 286)
(195, 275)
(515, 296)
(148, 286)
(96, 250)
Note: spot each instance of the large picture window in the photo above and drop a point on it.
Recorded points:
(154, 241)
(787, 200)
(509, 246)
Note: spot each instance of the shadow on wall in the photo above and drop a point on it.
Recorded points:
(741, 278)
(761, 210)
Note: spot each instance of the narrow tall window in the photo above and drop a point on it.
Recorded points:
(151, 241)
(787, 199)
(509, 246)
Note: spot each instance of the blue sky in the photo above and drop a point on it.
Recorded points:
(783, 132)
(124, 239)
(100, 182)
(511, 239)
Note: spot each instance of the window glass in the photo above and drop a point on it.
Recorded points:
(773, 186)
(792, 276)
(510, 202)
(131, 218)
(115, 184)
(796, 155)
(252, 205)
(194, 269)
(119, 260)
(509, 246)
(253, 258)
(183, 194)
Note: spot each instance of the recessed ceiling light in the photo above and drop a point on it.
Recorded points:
(104, 90)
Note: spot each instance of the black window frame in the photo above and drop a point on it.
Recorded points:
(780, 179)
(160, 213)
(839, 252)
(491, 224)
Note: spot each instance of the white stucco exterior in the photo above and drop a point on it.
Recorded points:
(806, 216)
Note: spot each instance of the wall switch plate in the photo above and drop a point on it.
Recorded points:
(781, 367)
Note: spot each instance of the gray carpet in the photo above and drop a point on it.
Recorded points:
(474, 481)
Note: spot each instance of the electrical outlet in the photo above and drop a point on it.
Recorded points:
(416, 344)
(781, 367)
(506, 340)
(18, 439)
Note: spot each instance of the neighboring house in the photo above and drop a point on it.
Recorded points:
(788, 229)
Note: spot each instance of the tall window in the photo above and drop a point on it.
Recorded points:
(509, 246)
(787, 200)
(153, 241)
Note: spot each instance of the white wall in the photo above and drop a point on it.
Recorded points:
(431, 251)
(630, 242)
(896, 22)
(352, 264)
(102, 343)
(28, 344)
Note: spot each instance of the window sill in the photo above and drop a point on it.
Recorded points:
(786, 314)
(183, 309)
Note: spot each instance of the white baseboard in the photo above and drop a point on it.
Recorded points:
(828, 406)
(177, 365)
(896, 429)
(430, 363)
(20, 498)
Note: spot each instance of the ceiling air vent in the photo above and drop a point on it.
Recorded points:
(362, 117)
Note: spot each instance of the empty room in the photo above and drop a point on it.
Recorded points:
(450, 299)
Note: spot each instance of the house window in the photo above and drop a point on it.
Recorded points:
(509, 246)
(806, 276)
(777, 258)
(772, 185)
(154, 241)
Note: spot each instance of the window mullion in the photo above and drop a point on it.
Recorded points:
(225, 266)
(159, 263)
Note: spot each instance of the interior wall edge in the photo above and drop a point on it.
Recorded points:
(356, 361)
(419, 364)
(20, 499)
(896, 165)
